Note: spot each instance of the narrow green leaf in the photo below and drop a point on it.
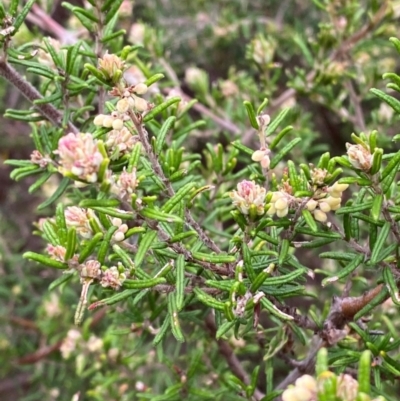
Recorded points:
(89, 247)
(391, 284)
(64, 278)
(282, 153)
(71, 243)
(380, 243)
(345, 271)
(144, 245)
(275, 142)
(161, 107)
(45, 260)
(20, 17)
(180, 281)
(39, 182)
(178, 197)
(270, 307)
(390, 100)
(146, 283)
(72, 54)
(277, 121)
(163, 133)
(153, 79)
(159, 215)
(223, 329)
(251, 114)
(364, 373)
(162, 332)
(376, 207)
(308, 217)
(56, 194)
(173, 313)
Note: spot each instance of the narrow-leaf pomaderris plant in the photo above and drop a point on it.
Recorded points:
(210, 249)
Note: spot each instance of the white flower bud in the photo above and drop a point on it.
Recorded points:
(325, 207)
(281, 204)
(118, 236)
(271, 211)
(140, 104)
(116, 221)
(140, 89)
(98, 120)
(319, 215)
(311, 205)
(117, 124)
(123, 105)
(108, 122)
(282, 212)
(308, 382)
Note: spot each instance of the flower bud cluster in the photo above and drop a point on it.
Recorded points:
(304, 389)
(38, 158)
(125, 184)
(249, 195)
(262, 156)
(111, 66)
(307, 388)
(280, 203)
(119, 235)
(56, 252)
(359, 156)
(323, 202)
(113, 277)
(80, 156)
(78, 218)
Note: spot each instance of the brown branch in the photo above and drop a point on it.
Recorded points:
(32, 94)
(144, 139)
(227, 352)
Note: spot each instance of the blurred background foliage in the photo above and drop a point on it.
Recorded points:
(320, 58)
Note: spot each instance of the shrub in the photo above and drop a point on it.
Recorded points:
(200, 228)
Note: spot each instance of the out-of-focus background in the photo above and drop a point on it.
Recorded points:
(326, 53)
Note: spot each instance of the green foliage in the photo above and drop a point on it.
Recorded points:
(188, 226)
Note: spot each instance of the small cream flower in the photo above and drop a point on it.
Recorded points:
(80, 156)
(262, 156)
(79, 218)
(249, 194)
(110, 65)
(112, 278)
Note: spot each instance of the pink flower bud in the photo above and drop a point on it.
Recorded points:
(359, 156)
(248, 194)
(80, 156)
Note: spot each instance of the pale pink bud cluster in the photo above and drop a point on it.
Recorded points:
(347, 387)
(304, 389)
(113, 278)
(80, 156)
(38, 158)
(359, 156)
(119, 235)
(262, 156)
(90, 270)
(120, 142)
(280, 203)
(318, 176)
(56, 252)
(110, 65)
(125, 184)
(247, 195)
(79, 219)
(331, 202)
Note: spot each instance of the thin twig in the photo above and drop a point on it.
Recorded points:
(227, 352)
(32, 94)
(144, 139)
